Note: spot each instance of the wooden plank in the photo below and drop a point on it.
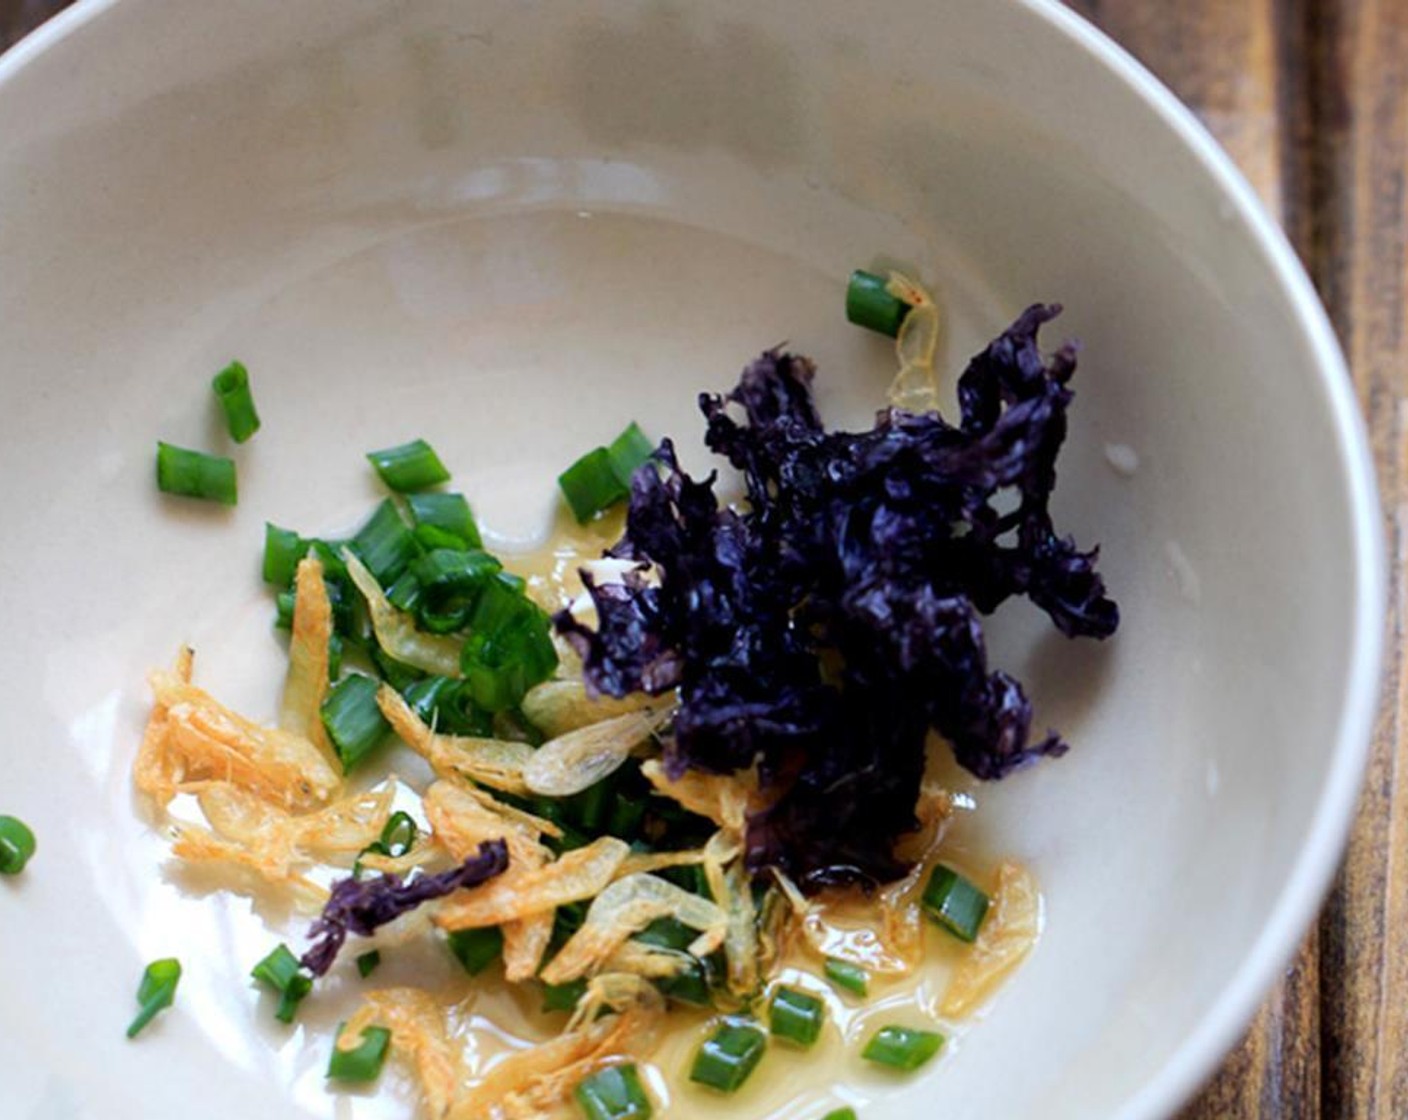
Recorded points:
(1221, 59)
(19, 17)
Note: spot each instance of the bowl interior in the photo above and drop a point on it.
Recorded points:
(507, 228)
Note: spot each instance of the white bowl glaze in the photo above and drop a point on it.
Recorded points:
(539, 219)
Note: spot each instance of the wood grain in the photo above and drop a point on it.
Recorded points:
(1310, 97)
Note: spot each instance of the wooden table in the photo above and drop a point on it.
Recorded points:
(1311, 99)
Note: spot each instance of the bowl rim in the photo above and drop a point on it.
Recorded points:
(1302, 894)
(1305, 888)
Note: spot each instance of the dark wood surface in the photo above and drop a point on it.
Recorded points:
(1310, 97)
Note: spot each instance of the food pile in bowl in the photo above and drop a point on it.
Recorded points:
(685, 774)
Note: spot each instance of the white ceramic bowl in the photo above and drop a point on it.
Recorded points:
(506, 227)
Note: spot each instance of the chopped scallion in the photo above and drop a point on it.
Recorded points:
(955, 902)
(409, 467)
(902, 1048)
(840, 1114)
(385, 544)
(399, 835)
(509, 650)
(16, 845)
(451, 583)
(353, 720)
(397, 674)
(588, 810)
(405, 593)
(194, 474)
(476, 949)
(627, 813)
(846, 975)
(690, 985)
(281, 971)
(431, 537)
(449, 513)
(591, 485)
(563, 997)
(796, 1016)
(364, 1061)
(367, 962)
(869, 305)
(447, 571)
(628, 451)
(729, 1056)
(231, 386)
(156, 992)
(613, 1093)
(283, 549)
(283, 610)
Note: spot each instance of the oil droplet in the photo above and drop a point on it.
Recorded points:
(1123, 459)
(1185, 578)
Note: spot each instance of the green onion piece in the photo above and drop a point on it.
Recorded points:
(796, 1016)
(451, 584)
(449, 513)
(405, 593)
(156, 991)
(590, 485)
(399, 835)
(509, 650)
(690, 985)
(16, 845)
(476, 949)
(840, 1114)
(281, 971)
(367, 962)
(329, 554)
(613, 1093)
(500, 607)
(571, 839)
(449, 705)
(729, 1056)
(448, 571)
(955, 902)
(363, 1063)
(589, 809)
(283, 610)
(231, 386)
(869, 305)
(563, 997)
(353, 720)
(667, 933)
(627, 814)
(846, 975)
(902, 1047)
(283, 549)
(431, 537)
(385, 544)
(442, 620)
(336, 648)
(397, 674)
(409, 467)
(194, 474)
(691, 877)
(628, 451)
(514, 582)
